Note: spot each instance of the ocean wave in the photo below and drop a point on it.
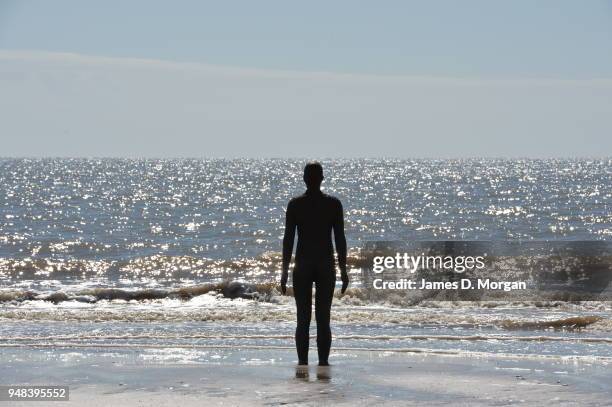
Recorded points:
(265, 291)
(563, 323)
(211, 308)
(228, 289)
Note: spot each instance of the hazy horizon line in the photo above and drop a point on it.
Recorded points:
(254, 70)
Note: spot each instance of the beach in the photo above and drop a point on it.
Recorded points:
(239, 363)
(128, 377)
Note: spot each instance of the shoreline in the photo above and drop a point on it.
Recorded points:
(453, 353)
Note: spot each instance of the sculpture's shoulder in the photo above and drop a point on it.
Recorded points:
(332, 200)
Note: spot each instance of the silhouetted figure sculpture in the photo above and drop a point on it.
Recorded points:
(315, 215)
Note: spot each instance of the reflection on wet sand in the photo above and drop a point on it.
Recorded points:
(303, 373)
(324, 373)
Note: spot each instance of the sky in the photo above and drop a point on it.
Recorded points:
(432, 78)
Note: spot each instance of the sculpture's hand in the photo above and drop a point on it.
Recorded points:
(345, 280)
(283, 283)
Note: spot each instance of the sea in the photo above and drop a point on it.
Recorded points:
(167, 254)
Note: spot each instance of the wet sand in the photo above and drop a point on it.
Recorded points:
(269, 377)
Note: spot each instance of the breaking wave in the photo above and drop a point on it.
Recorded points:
(219, 303)
(231, 290)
